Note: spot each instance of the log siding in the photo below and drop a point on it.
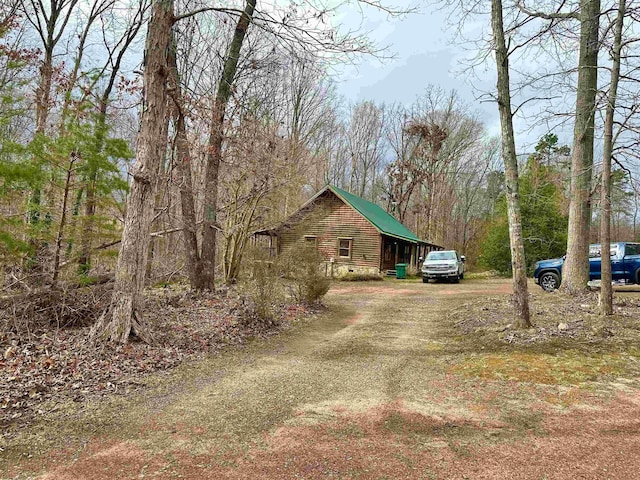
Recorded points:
(329, 220)
(376, 240)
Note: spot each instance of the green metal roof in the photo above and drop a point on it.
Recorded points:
(380, 219)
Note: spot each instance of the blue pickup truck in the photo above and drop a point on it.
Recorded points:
(625, 266)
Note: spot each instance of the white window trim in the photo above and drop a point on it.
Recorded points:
(311, 240)
(350, 239)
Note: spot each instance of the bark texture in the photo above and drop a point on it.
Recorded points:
(182, 177)
(606, 291)
(214, 156)
(520, 291)
(125, 315)
(575, 271)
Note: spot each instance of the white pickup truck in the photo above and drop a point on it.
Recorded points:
(444, 264)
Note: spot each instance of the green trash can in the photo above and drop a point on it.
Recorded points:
(401, 270)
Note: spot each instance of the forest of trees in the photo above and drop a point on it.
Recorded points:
(146, 140)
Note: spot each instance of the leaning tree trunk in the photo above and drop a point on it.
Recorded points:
(606, 291)
(125, 314)
(575, 271)
(214, 156)
(520, 293)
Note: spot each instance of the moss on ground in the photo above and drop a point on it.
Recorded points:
(568, 368)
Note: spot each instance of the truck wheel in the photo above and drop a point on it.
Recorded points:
(549, 281)
(456, 280)
(462, 276)
(425, 280)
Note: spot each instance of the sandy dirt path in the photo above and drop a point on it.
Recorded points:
(373, 389)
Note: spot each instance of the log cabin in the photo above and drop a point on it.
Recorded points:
(352, 234)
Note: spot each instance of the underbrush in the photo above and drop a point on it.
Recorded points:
(484, 275)
(46, 357)
(22, 315)
(361, 277)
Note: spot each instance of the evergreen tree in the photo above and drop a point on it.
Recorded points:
(544, 225)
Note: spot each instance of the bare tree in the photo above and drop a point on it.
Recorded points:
(575, 271)
(475, 200)
(433, 208)
(182, 175)
(49, 23)
(125, 315)
(366, 149)
(606, 291)
(214, 156)
(407, 174)
(520, 293)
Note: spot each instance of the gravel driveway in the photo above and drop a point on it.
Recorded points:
(372, 389)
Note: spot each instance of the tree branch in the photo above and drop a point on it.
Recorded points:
(547, 16)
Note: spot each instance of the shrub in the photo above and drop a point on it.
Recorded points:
(262, 289)
(306, 274)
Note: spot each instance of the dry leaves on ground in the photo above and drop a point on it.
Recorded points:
(46, 357)
(555, 316)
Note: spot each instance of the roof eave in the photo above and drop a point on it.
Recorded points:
(406, 239)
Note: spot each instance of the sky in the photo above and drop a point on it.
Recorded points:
(425, 53)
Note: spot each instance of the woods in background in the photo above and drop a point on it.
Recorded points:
(148, 140)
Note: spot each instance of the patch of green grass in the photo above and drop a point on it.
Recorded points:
(569, 368)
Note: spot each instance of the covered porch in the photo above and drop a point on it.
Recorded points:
(396, 250)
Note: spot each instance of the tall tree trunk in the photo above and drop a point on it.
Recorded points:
(182, 169)
(214, 155)
(575, 271)
(520, 293)
(606, 291)
(45, 21)
(125, 315)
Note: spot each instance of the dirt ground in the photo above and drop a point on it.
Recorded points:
(396, 380)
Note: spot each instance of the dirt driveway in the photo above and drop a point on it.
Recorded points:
(376, 388)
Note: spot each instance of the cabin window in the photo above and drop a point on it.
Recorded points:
(345, 245)
(311, 240)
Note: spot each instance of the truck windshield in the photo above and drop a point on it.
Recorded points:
(441, 256)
